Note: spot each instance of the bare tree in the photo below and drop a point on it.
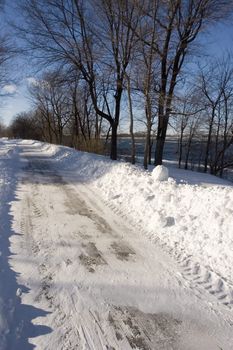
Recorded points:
(60, 32)
(24, 126)
(187, 115)
(131, 126)
(62, 102)
(178, 25)
(2, 129)
(217, 88)
(50, 98)
(7, 52)
(100, 40)
(147, 61)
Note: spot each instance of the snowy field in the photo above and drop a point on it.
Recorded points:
(180, 221)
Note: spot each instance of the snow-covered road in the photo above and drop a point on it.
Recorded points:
(89, 280)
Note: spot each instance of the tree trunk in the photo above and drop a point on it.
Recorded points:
(133, 148)
(113, 152)
(146, 151)
(224, 135)
(150, 151)
(209, 141)
(187, 154)
(216, 148)
(181, 146)
(160, 142)
(148, 112)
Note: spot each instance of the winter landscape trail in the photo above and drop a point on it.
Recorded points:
(96, 280)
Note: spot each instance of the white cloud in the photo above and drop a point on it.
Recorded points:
(9, 89)
(31, 81)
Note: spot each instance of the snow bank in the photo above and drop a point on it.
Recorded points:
(194, 219)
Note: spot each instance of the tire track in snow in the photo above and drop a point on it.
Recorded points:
(204, 277)
(200, 278)
(90, 337)
(31, 215)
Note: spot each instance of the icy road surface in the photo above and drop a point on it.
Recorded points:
(95, 281)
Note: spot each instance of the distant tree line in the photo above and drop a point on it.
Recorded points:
(102, 59)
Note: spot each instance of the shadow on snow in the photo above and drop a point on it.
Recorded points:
(16, 325)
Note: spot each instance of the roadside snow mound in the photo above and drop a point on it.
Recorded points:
(160, 173)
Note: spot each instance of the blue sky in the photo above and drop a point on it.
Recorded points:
(218, 41)
(15, 103)
(18, 99)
